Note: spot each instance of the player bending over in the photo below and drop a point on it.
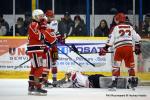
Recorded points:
(123, 38)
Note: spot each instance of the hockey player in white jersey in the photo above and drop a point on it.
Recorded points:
(52, 53)
(123, 38)
(52, 23)
(76, 79)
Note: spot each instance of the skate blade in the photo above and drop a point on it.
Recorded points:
(112, 89)
(133, 88)
(50, 86)
(31, 93)
(40, 94)
(129, 87)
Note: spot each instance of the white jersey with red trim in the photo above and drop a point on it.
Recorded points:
(123, 34)
(53, 25)
(79, 80)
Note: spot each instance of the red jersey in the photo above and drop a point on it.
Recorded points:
(34, 38)
(37, 36)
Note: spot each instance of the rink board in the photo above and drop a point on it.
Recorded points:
(13, 53)
(9, 62)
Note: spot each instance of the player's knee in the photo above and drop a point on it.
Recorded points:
(54, 70)
(131, 72)
(117, 63)
(116, 71)
(38, 72)
(32, 70)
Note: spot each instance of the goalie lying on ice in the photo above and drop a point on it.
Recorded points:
(76, 79)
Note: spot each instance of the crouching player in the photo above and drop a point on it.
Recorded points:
(123, 38)
(36, 50)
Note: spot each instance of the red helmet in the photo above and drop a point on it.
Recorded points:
(49, 13)
(120, 17)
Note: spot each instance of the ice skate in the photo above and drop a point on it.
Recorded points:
(48, 85)
(54, 83)
(132, 83)
(41, 92)
(31, 90)
(113, 86)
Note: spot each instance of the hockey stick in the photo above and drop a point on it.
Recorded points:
(96, 52)
(22, 63)
(73, 48)
(69, 57)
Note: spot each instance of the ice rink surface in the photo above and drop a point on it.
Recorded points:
(16, 89)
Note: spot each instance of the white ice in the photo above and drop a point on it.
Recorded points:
(16, 89)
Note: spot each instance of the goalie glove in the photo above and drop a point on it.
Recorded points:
(103, 50)
(137, 49)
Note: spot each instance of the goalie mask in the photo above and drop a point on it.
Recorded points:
(37, 15)
(120, 18)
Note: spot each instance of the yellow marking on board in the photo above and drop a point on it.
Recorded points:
(69, 38)
(143, 76)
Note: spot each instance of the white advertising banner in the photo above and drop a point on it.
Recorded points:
(12, 54)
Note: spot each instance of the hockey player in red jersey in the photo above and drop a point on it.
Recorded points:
(52, 52)
(123, 38)
(36, 50)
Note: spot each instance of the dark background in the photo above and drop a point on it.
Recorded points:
(73, 6)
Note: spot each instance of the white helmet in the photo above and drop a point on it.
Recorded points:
(37, 14)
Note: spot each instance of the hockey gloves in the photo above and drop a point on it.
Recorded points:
(137, 49)
(103, 50)
(61, 38)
